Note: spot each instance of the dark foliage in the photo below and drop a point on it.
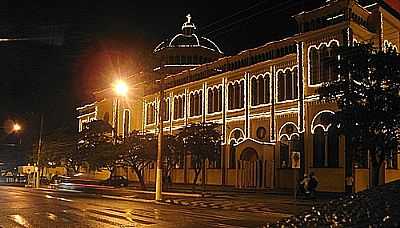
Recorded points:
(202, 141)
(368, 97)
(138, 150)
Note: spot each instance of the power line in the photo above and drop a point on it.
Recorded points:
(233, 15)
(256, 14)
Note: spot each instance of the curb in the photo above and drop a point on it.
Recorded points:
(251, 209)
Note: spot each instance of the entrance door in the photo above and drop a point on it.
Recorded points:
(249, 169)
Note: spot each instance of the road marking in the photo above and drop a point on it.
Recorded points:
(51, 216)
(128, 199)
(20, 220)
(58, 198)
(223, 225)
(124, 216)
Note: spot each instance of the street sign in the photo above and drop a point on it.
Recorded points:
(295, 157)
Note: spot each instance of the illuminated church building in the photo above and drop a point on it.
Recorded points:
(264, 98)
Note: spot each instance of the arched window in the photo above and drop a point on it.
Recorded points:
(196, 104)
(261, 90)
(254, 94)
(237, 95)
(295, 143)
(192, 104)
(230, 96)
(127, 119)
(179, 107)
(289, 142)
(325, 140)
(150, 119)
(319, 147)
(295, 82)
(241, 94)
(331, 62)
(176, 107)
(166, 110)
(210, 101)
(182, 106)
(284, 152)
(281, 86)
(220, 98)
(322, 63)
(216, 100)
(288, 85)
(200, 103)
(267, 91)
(314, 66)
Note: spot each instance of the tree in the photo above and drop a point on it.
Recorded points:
(173, 153)
(368, 97)
(202, 141)
(96, 147)
(56, 146)
(138, 151)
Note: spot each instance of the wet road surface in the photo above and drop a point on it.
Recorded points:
(24, 207)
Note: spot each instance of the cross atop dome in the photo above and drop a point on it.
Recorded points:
(188, 27)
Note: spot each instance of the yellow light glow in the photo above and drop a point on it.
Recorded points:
(120, 88)
(16, 127)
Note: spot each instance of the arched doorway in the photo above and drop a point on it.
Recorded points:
(249, 169)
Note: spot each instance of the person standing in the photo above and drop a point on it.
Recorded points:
(312, 184)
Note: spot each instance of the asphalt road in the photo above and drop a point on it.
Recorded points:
(24, 207)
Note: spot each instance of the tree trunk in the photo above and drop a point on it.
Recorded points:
(141, 178)
(197, 173)
(376, 173)
(377, 162)
(203, 176)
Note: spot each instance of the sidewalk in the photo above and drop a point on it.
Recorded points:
(212, 191)
(254, 201)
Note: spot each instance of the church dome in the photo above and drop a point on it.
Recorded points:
(188, 38)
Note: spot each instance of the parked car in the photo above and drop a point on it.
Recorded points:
(44, 180)
(117, 181)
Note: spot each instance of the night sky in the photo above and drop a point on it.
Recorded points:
(79, 46)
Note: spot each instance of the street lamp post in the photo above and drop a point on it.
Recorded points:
(116, 119)
(121, 90)
(160, 143)
(37, 169)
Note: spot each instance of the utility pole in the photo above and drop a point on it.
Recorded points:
(38, 152)
(160, 142)
(116, 120)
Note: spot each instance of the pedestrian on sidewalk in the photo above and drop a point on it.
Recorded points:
(303, 185)
(312, 184)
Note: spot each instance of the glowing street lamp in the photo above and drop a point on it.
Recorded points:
(120, 88)
(16, 127)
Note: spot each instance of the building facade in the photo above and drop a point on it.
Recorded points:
(264, 98)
